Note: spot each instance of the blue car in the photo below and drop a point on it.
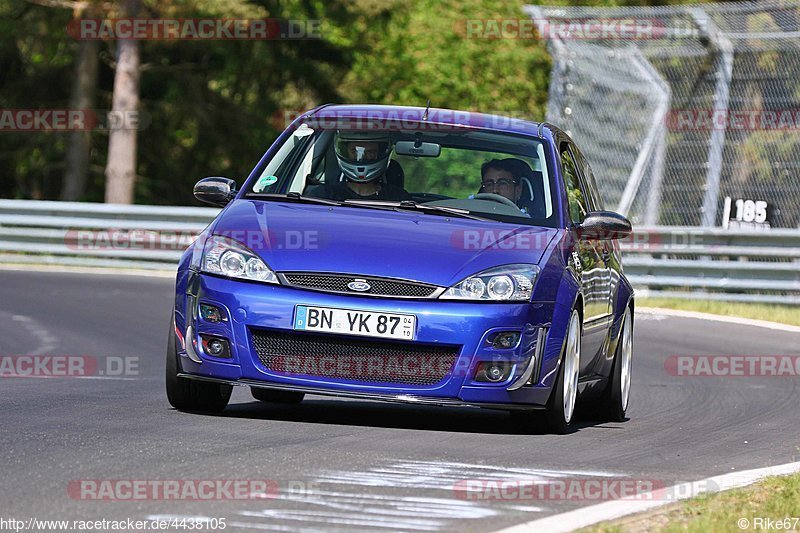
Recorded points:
(406, 254)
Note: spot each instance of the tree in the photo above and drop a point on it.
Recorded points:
(84, 86)
(423, 51)
(121, 164)
(82, 96)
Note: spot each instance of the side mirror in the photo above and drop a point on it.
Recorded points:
(215, 191)
(604, 226)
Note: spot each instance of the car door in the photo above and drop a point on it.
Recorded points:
(606, 248)
(587, 262)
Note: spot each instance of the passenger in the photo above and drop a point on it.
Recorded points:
(363, 158)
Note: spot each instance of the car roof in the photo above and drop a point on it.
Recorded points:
(434, 116)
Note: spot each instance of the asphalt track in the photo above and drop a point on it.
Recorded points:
(351, 465)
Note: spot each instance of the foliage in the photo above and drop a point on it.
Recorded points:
(424, 52)
(214, 107)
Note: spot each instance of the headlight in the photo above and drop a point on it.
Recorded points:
(226, 257)
(509, 283)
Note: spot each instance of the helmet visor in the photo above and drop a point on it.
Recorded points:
(362, 151)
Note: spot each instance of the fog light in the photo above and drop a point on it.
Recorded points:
(506, 339)
(215, 346)
(492, 372)
(495, 373)
(211, 313)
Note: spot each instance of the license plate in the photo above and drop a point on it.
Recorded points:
(351, 322)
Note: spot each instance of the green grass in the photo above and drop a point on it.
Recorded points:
(775, 498)
(785, 314)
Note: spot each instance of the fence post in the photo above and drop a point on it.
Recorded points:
(724, 75)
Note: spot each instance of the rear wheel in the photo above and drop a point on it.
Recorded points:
(189, 395)
(276, 396)
(561, 406)
(617, 393)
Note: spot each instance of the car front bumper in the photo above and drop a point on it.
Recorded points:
(464, 326)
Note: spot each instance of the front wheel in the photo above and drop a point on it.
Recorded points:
(189, 395)
(561, 406)
(618, 390)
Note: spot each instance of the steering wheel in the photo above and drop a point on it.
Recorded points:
(499, 198)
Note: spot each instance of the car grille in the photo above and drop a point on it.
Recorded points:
(378, 286)
(347, 358)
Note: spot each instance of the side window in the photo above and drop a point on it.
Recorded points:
(577, 202)
(315, 165)
(595, 198)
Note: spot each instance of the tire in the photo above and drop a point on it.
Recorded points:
(561, 405)
(276, 396)
(189, 395)
(616, 397)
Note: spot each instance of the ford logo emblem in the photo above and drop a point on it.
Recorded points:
(359, 285)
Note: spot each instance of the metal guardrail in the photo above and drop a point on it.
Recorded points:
(757, 266)
(98, 235)
(715, 264)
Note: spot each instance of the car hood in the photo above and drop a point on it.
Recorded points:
(370, 242)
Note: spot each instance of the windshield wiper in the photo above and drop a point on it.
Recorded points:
(405, 205)
(292, 197)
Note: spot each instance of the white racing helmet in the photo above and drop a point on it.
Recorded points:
(362, 155)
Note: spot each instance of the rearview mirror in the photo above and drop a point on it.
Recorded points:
(215, 191)
(417, 149)
(604, 226)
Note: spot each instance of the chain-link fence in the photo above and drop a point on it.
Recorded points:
(689, 115)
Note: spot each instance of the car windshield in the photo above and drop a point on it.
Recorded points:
(482, 174)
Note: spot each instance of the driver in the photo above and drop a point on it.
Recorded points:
(504, 177)
(363, 157)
